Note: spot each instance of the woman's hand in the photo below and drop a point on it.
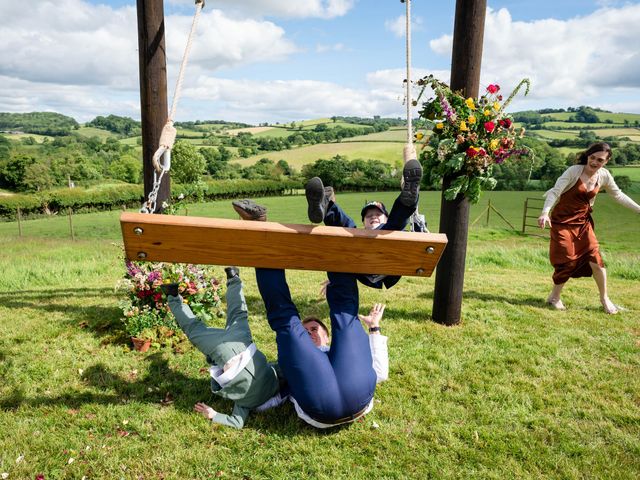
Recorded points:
(205, 410)
(544, 220)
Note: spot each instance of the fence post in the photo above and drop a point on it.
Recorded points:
(488, 212)
(19, 222)
(524, 214)
(73, 238)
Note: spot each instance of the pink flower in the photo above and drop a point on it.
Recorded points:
(489, 126)
(505, 122)
(493, 88)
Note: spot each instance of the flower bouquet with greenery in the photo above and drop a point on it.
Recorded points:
(469, 136)
(145, 311)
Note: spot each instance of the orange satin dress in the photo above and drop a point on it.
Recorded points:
(573, 242)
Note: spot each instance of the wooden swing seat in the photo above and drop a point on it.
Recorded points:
(200, 240)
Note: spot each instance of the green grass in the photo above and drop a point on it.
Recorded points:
(515, 391)
(101, 133)
(390, 152)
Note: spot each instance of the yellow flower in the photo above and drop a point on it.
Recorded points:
(494, 144)
(463, 126)
(419, 136)
(472, 119)
(496, 106)
(487, 112)
(470, 104)
(439, 126)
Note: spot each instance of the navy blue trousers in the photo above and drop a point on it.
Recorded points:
(327, 385)
(398, 220)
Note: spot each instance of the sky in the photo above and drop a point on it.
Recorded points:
(258, 61)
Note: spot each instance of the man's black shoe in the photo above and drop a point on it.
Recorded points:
(232, 272)
(250, 210)
(317, 201)
(170, 289)
(412, 174)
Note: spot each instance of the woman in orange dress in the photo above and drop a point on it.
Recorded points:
(574, 250)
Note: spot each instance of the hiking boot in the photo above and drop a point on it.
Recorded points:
(250, 210)
(232, 272)
(170, 289)
(411, 174)
(316, 200)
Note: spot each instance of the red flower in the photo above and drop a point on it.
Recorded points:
(489, 126)
(505, 122)
(493, 88)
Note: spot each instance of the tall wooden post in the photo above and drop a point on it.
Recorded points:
(153, 89)
(466, 60)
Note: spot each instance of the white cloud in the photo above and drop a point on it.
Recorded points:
(280, 8)
(575, 62)
(336, 47)
(398, 25)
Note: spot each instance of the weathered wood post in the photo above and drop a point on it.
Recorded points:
(153, 89)
(466, 60)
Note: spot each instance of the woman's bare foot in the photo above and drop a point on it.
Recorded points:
(556, 303)
(608, 306)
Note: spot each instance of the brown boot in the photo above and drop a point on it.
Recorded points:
(250, 210)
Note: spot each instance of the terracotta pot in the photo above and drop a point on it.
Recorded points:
(141, 344)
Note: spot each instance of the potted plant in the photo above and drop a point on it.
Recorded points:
(146, 316)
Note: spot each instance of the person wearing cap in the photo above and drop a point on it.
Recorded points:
(239, 371)
(323, 207)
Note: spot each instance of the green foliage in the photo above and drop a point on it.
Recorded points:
(358, 174)
(44, 123)
(187, 164)
(623, 181)
(113, 123)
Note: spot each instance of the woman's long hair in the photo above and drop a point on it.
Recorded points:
(581, 159)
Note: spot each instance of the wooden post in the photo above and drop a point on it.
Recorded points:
(153, 89)
(19, 222)
(466, 60)
(488, 212)
(73, 238)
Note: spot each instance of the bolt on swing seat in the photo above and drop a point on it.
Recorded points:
(214, 241)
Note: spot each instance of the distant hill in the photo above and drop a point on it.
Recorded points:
(42, 123)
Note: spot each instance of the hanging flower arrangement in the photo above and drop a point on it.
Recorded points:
(468, 137)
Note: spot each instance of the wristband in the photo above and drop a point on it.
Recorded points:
(374, 329)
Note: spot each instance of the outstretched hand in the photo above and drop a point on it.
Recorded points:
(205, 410)
(374, 317)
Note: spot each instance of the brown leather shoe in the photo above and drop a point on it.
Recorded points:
(250, 210)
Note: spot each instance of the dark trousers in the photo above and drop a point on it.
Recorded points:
(327, 385)
(398, 220)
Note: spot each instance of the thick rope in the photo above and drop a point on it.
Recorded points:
(162, 157)
(408, 50)
(168, 135)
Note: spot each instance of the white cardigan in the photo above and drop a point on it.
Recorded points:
(569, 178)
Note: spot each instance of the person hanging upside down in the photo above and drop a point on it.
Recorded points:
(239, 371)
(574, 250)
(327, 388)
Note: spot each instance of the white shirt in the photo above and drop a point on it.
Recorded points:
(569, 178)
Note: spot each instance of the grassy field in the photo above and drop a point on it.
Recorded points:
(390, 152)
(515, 391)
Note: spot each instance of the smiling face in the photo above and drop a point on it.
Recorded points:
(318, 334)
(373, 218)
(596, 161)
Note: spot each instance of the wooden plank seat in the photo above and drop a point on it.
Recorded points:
(200, 240)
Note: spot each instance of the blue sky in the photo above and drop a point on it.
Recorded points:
(280, 60)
